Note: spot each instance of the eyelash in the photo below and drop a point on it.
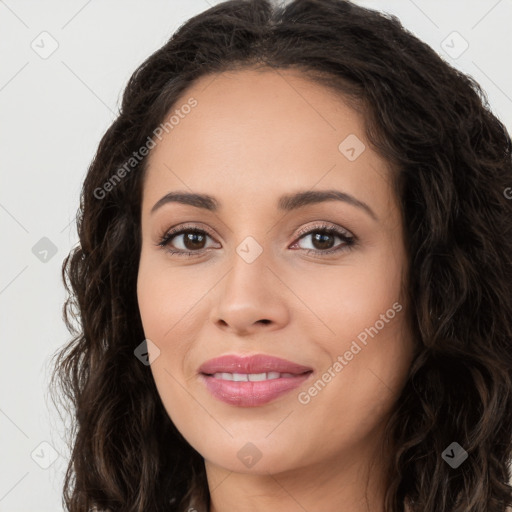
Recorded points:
(349, 241)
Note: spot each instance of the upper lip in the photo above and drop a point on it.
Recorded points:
(258, 363)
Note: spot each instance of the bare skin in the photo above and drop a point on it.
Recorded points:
(253, 137)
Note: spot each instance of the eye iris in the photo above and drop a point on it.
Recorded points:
(194, 240)
(321, 238)
(191, 236)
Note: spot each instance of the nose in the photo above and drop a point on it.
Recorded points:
(251, 298)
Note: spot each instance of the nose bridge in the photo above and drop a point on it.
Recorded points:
(250, 233)
(248, 265)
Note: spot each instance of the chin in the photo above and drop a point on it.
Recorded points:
(258, 457)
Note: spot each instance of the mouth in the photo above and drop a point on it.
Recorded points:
(258, 379)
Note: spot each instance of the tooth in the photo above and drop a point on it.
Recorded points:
(251, 377)
(255, 377)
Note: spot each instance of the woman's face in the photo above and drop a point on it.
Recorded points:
(258, 284)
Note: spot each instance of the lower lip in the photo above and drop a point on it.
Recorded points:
(251, 394)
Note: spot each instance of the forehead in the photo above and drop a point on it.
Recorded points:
(271, 107)
(264, 131)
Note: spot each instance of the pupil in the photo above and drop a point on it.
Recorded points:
(192, 237)
(322, 241)
(321, 238)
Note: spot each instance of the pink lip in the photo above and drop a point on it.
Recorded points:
(258, 363)
(251, 394)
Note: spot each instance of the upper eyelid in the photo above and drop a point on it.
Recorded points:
(324, 225)
(321, 224)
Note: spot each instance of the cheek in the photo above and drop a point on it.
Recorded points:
(171, 304)
(362, 308)
(367, 294)
(165, 295)
(164, 302)
(342, 301)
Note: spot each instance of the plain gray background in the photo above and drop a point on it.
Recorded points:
(54, 108)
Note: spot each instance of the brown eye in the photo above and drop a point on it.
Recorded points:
(194, 240)
(323, 240)
(188, 241)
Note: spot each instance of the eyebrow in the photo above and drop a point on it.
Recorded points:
(285, 203)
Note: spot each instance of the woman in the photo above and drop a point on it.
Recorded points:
(294, 276)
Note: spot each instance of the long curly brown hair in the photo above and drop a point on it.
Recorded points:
(452, 176)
